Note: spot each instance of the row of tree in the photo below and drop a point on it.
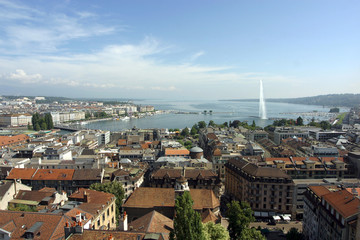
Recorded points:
(42, 122)
(188, 225)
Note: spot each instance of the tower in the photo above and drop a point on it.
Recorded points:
(181, 184)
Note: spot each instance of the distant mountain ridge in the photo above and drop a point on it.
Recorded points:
(331, 100)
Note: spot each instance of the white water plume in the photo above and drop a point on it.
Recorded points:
(262, 107)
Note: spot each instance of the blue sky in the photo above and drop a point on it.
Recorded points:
(179, 49)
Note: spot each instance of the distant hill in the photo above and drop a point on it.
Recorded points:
(331, 100)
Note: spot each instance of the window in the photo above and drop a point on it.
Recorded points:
(98, 222)
(108, 211)
(264, 206)
(103, 216)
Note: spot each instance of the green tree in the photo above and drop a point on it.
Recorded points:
(239, 217)
(185, 132)
(325, 125)
(212, 123)
(87, 115)
(35, 119)
(215, 231)
(299, 121)
(294, 234)
(187, 222)
(49, 121)
(205, 112)
(115, 188)
(202, 124)
(37, 127)
(194, 130)
(253, 125)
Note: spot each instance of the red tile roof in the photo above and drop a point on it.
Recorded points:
(165, 197)
(21, 173)
(54, 174)
(176, 152)
(343, 202)
(19, 222)
(8, 140)
(153, 222)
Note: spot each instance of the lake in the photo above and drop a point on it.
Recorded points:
(222, 111)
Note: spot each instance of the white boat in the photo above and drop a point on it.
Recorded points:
(125, 118)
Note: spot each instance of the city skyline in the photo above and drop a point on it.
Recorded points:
(187, 50)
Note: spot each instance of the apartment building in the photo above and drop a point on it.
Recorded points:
(269, 191)
(331, 213)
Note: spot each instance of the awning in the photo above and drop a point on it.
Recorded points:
(257, 214)
(276, 218)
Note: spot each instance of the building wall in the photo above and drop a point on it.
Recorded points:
(9, 195)
(106, 217)
(264, 195)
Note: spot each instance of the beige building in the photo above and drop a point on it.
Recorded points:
(99, 204)
(15, 120)
(269, 191)
(8, 190)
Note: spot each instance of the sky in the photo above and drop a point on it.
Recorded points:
(179, 49)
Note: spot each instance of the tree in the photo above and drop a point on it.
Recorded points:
(299, 121)
(115, 188)
(215, 231)
(202, 124)
(194, 130)
(253, 125)
(185, 132)
(205, 112)
(49, 121)
(239, 217)
(212, 123)
(187, 222)
(294, 234)
(210, 111)
(325, 125)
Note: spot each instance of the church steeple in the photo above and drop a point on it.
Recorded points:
(181, 184)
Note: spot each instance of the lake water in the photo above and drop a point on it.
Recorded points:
(222, 111)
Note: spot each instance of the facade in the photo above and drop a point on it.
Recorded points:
(100, 204)
(68, 180)
(312, 167)
(331, 214)
(285, 132)
(8, 189)
(196, 178)
(15, 120)
(269, 191)
(321, 135)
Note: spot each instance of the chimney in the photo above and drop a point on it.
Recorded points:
(78, 217)
(123, 223)
(79, 228)
(85, 197)
(67, 230)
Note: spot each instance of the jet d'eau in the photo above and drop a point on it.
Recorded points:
(262, 107)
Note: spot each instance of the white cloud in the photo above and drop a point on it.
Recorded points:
(196, 55)
(23, 77)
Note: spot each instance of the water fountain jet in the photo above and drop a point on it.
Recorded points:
(262, 107)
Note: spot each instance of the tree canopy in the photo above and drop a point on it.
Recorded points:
(42, 122)
(215, 231)
(239, 216)
(115, 188)
(187, 222)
